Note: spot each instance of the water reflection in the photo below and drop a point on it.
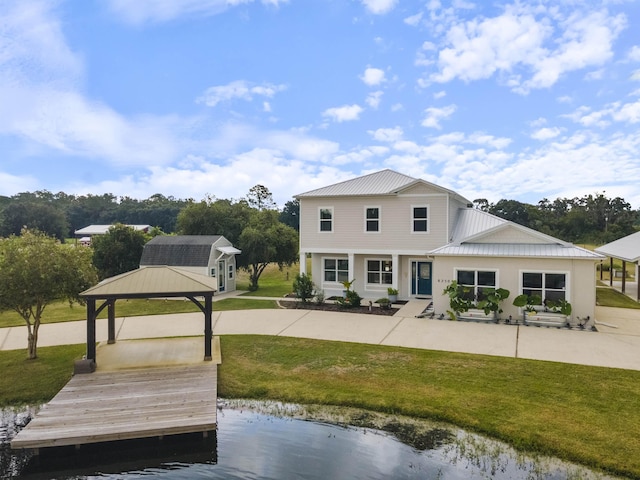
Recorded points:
(267, 440)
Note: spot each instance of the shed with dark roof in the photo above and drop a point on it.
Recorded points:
(210, 255)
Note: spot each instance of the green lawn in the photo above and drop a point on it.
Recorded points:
(588, 415)
(608, 297)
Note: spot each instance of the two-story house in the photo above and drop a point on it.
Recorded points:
(387, 229)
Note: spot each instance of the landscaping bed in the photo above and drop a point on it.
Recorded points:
(332, 307)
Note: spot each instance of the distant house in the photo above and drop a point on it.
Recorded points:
(388, 230)
(84, 234)
(209, 255)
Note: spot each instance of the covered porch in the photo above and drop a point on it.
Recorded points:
(627, 250)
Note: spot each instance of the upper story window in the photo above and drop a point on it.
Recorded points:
(420, 219)
(372, 219)
(548, 286)
(326, 219)
(477, 283)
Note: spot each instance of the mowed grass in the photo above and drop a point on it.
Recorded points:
(274, 282)
(61, 312)
(584, 414)
(33, 382)
(608, 297)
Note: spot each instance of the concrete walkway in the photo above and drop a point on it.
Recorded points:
(616, 344)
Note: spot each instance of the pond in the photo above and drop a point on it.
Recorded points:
(268, 440)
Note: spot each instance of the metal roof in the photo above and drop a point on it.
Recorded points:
(539, 250)
(471, 222)
(384, 182)
(103, 229)
(625, 248)
(156, 281)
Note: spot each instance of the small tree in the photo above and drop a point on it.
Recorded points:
(266, 241)
(118, 251)
(36, 270)
(303, 287)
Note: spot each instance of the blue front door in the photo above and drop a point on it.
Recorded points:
(421, 278)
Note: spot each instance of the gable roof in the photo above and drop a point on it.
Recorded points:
(156, 281)
(384, 182)
(625, 248)
(179, 250)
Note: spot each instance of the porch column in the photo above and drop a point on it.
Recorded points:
(637, 282)
(611, 271)
(351, 269)
(395, 271)
(303, 262)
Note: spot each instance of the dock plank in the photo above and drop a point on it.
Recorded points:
(126, 404)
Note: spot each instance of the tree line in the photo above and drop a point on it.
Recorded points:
(595, 219)
(59, 215)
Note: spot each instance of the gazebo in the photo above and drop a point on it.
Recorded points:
(626, 249)
(148, 282)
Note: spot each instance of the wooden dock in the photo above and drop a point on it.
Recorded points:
(126, 404)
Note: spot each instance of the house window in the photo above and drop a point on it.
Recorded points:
(326, 219)
(213, 271)
(230, 272)
(476, 283)
(420, 219)
(379, 272)
(549, 286)
(336, 270)
(372, 219)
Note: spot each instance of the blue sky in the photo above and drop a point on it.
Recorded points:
(518, 100)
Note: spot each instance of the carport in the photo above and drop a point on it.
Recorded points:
(626, 249)
(148, 282)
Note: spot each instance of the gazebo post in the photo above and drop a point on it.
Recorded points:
(91, 329)
(624, 276)
(208, 330)
(111, 310)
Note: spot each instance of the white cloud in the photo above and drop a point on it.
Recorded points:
(440, 94)
(387, 134)
(157, 11)
(373, 76)
(397, 107)
(634, 53)
(239, 89)
(521, 41)
(374, 98)
(414, 20)
(379, 7)
(434, 115)
(344, 113)
(546, 133)
(635, 76)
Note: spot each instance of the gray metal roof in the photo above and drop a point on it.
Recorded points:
(179, 250)
(102, 229)
(384, 182)
(153, 281)
(471, 221)
(516, 250)
(625, 248)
